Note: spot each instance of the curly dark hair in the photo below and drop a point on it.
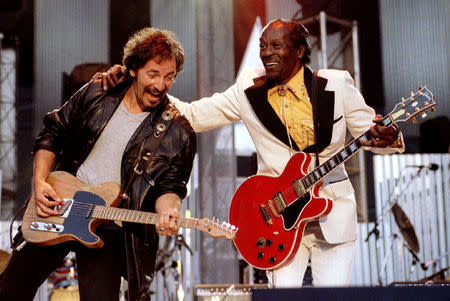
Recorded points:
(149, 43)
(299, 36)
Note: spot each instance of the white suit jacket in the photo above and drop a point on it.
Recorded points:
(341, 107)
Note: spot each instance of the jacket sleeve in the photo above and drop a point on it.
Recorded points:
(211, 112)
(219, 109)
(175, 178)
(60, 123)
(359, 116)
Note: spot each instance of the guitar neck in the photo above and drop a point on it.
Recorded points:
(343, 155)
(134, 216)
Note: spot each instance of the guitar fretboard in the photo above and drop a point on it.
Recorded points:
(133, 216)
(331, 164)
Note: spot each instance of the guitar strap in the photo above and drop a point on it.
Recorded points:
(150, 145)
(315, 103)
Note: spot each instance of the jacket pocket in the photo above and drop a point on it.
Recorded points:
(340, 189)
(337, 119)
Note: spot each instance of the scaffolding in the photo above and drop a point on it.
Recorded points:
(335, 42)
(8, 147)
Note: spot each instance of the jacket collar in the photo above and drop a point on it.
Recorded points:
(323, 110)
(146, 127)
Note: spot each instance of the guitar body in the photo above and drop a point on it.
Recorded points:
(76, 224)
(271, 244)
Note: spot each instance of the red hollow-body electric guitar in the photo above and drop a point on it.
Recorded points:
(271, 212)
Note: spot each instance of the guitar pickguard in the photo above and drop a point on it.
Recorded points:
(79, 217)
(291, 213)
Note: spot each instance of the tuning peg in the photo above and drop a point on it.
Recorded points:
(420, 87)
(412, 93)
(403, 99)
(433, 109)
(414, 120)
(424, 115)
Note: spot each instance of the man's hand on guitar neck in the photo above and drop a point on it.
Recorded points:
(382, 136)
(168, 206)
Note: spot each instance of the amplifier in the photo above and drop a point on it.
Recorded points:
(229, 292)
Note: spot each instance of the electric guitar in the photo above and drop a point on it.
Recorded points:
(272, 212)
(85, 207)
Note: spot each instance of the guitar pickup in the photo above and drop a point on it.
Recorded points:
(272, 208)
(265, 213)
(47, 227)
(67, 204)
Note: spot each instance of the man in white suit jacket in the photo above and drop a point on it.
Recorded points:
(284, 51)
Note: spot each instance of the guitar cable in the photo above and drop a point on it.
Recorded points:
(19, 235)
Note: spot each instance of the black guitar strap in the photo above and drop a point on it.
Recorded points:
(315, 103)
(150, 145)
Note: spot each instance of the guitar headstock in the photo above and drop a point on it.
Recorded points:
(417, 103)
(217, 228)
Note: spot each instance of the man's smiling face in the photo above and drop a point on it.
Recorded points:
(153, 81)
(278, 54)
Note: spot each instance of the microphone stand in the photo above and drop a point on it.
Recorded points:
(180, 242)
(385, 260)
(388, 208)
(433, 262)
(415, 259)
(380, 218)
(164, 255)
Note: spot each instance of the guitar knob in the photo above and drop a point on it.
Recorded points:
(273, 259)
(261, 242)
(260, 255)
(269, 242)
(281, 247)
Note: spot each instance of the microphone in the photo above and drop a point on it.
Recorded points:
(431, 166)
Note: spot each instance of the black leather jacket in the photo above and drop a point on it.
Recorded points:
(71, 132)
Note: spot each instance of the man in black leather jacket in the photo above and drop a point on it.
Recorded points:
(106, 137)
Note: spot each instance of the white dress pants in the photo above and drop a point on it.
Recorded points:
(331, 264)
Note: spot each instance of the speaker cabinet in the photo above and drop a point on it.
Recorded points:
(229, 292)
(435, 293)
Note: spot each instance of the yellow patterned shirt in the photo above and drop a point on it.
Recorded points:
(295, 110)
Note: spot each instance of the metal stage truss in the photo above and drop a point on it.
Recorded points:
(8, 147)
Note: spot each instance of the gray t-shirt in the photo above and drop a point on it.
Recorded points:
(104, 161)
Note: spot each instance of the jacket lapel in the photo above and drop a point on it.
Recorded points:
(323, 111)
(257, 96)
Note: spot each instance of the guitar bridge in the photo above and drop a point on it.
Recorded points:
(265, 213)
(47, 227)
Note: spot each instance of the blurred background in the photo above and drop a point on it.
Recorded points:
(49, 48)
